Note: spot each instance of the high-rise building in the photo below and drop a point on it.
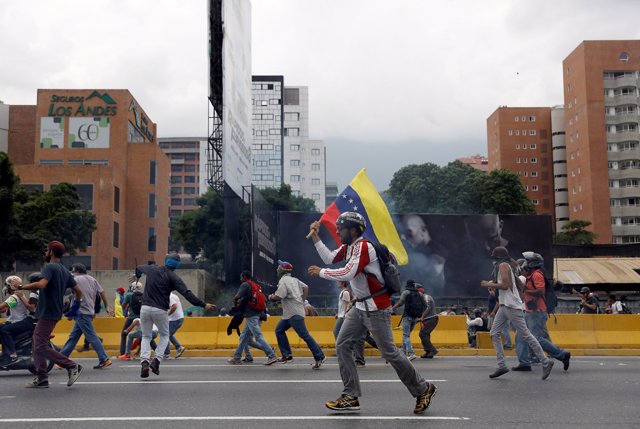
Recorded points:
(103, 143)
(601, 97)
(519, 140)
(282, 151)
(268, 131)
(188, 172)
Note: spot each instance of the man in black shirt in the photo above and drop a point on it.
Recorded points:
(161, 280)
(55, 280)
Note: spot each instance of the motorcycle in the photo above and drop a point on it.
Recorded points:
(25, 360)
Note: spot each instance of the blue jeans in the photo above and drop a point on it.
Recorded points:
(251, 343)
(297, 323)
(8, 331)
(138, 335)
(252, 325)
(537, 324)
(174, 325)
(408, 323)
(84, 325)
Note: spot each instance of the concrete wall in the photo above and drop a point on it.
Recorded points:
(199, 282)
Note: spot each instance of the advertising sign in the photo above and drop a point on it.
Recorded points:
(51, 132)
(264, 239)
(448, 254)
(236, 118)
(89, 133)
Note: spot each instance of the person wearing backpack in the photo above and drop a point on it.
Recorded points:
(161, 280)
(414, 306)
(372, 311)
(536, 315)
(252, 301)
(510, 310)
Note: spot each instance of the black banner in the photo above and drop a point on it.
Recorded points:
(449, 254)
(264, 224)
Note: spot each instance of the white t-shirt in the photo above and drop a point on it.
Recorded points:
(343, 300)
(510, 297)
(616, 307)
(291, 291)
(178, 314)
(18, 311)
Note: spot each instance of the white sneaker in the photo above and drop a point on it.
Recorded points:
(179, 352)
(412, 356)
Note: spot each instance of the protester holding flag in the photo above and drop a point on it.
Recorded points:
(363, 271)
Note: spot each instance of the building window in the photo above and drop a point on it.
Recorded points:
(189, 201)
(534, 174)
(532, 118)
(534, 160)
(315, 167)
(315, 181)
(292, 132)
(176, 201)
(276, 131)
(315, 152)
(535, 202)
(291, 116)
(116, 199)
(510, 132)
(189, 179)
(151, 241)
(518, 160)
(175, 213)
(515, 119)
(114, 263)
(533, 146)
(315, 197)
(135, 136)
(274, 162)
(292, 96)
(295, 148)
(524, 146)
(116, 235)
(177, 168)
(624, 57)
(176, 179)
(153, 170)
(190, 168)
(534, 187)
(532, 132)
(295, 178)
(152, 205)
(85, 192)
(176, 190)
(189, 190)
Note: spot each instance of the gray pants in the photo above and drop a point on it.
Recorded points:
(516, 317)
(355, 324)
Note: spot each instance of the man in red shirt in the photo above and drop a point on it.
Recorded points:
(536, 315)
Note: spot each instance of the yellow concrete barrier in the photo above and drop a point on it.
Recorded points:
(587, 331)
(211, 332)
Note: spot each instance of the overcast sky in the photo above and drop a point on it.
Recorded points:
(390, 82)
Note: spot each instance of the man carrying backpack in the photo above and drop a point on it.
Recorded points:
(372, 311)
(253, 302)
(536, 313)
(132, 303)
(414, 306)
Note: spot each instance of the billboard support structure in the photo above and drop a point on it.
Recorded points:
(215, 177)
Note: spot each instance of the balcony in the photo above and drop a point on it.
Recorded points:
(622, 119)
(623, 137)
(629, 173)
(625, 211)
(623, 155)
(626, 229)
(624, 192)
(620, 100)
(620, 82)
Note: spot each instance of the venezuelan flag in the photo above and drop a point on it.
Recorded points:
(361, 197)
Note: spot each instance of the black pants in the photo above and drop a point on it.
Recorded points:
(123, 337)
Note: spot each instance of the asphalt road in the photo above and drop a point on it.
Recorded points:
(596, 392)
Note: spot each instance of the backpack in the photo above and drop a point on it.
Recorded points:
(625, 309)
(388, 267)
(136, 303)
(258, 301)
(414, 305)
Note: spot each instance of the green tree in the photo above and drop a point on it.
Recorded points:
(575, 232)
(282, 199)
(53, 215)
(9, 234)
(456, 188)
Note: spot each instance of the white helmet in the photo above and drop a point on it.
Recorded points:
(135, 287)
(12, 280)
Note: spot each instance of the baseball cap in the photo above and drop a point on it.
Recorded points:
(284, 265)
(120, 290)
(56, 247)
(585, 289)
(500, 253)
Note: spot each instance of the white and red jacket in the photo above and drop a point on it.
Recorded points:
(362, 271)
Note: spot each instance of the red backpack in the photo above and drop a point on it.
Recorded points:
(258, 301)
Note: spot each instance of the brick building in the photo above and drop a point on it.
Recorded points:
(103, 143)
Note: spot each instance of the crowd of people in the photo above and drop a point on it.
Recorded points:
(516, 301)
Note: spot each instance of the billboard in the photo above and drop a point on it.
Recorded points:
(264, 245)
(89, 133)
(449, 254)
(51, 132)
(236, 117)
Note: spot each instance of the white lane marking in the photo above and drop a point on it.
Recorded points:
(7, 397)
(205, 418)
(250, 365)
(622, 364)
(156, 381)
